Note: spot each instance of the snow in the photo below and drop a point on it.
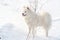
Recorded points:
(13, 26)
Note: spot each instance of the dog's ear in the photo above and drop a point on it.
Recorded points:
(27, 7)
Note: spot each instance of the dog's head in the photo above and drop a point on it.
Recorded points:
(25, 11)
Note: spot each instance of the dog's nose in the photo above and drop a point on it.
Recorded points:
(23, 14)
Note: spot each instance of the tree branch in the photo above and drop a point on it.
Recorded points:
(42, 5)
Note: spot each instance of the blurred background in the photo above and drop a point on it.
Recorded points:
(13, 26)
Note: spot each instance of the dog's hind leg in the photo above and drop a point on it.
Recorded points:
(46, 30)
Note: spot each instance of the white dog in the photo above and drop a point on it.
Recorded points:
(33, 20)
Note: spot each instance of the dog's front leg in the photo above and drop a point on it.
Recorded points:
(33, 32)
(28, 36)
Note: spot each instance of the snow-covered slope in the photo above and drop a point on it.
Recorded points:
(7, 32)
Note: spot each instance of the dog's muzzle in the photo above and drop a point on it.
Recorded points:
(23, 14)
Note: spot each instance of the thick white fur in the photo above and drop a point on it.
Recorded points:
(33, 21)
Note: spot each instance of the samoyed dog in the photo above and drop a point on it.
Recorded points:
(33, 20)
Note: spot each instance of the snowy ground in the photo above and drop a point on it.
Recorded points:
(13, 27)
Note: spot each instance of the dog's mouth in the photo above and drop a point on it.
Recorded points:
(23, 14)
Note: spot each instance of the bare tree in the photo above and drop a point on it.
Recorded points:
(35, 3)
